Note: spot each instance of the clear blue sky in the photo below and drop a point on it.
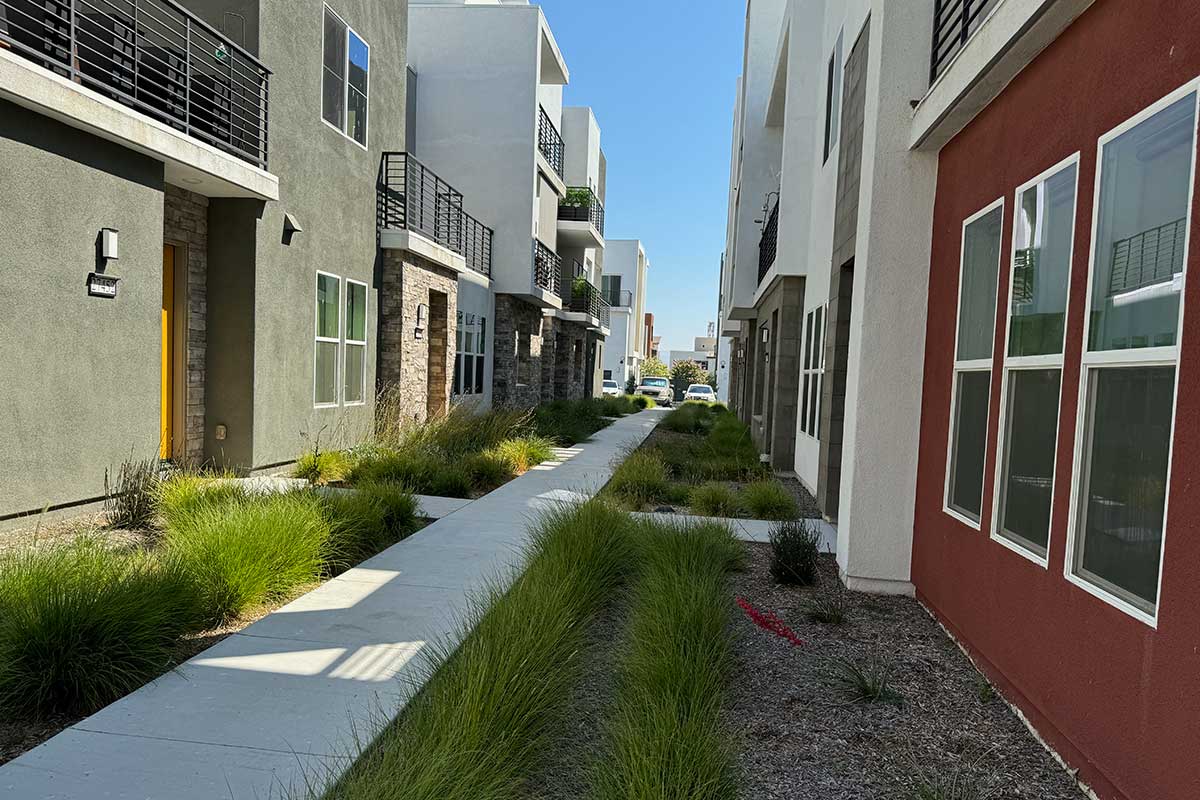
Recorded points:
(661, 76)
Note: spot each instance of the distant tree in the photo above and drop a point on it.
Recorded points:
(653, 368)
(684, 374)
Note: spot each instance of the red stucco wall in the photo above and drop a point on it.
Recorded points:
(1119, 699)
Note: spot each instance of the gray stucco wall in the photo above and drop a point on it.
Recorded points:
(80, 376)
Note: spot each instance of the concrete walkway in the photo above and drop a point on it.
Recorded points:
(279, 704)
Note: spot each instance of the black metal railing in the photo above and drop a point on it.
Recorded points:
(585, 297)
(410, 196)
(550, 141)
(768, 243)
(153, 56)
(954, 22)
(605, 315)
(582, 205)
(1150, 257)
(547, 265)
(620, 297)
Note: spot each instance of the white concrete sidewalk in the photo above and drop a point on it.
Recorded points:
(279, 703)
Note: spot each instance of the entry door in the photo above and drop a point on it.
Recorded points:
(167, 406)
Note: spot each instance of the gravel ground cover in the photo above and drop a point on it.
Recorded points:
(947, 735)
(805, 502)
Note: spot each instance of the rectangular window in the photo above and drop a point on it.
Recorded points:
(833, 98)
(813, 375)
(470, 353)
(1043, 236)
(328, 339)
(1146, 169)
(345, 79)
(356, 343)
(972, 381)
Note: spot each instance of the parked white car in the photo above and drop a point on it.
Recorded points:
(610, 389)
(700, 391)
(659, 389)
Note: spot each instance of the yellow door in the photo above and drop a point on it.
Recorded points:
(168, 352)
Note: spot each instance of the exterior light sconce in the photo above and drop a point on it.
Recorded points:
(291, 226)
(108, 244)
(766, 335)
(422, 315)
(99, 284)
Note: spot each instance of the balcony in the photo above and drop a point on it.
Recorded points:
(620, 298)
(550, 142)
(582, 301)
(954, 23)
(152, 56)
(412, 199)
(546, 268)
(768, 242)
(581, 218)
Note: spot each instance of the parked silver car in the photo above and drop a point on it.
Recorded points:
(657, 388)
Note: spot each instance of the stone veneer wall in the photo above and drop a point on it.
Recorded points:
(570, 361)
(403, 360)
(185, 224)
(516, 319)
(550, 356)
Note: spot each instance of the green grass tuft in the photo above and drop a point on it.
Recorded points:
(82, 625)
(242, 554)
(640, 479)
(323, 467)
(181, 495)
(366, 521)
(795, 548)
(768, 499)
(568, 422)
(488, 469)
(129, 494)
(524, 453)
(715, 500)
(868, 683)
(418, 471)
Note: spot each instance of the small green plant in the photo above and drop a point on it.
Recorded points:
(640, 400)
(568, 422)
(984, 689)
(419, 471)
(179, 496)
(525, 453)
(322, 467)
(129, 494)
(795, 548)
(869, 683)
(640, 479)
(954, 786)
(242, 554)
(679, 494)
(828, 608)
(82, 625)
(366, 521)
(768, 499)
(488, 470)
(715, 500)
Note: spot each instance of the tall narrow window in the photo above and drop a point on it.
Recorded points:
(328, 339)
(356, 343)
(813, 372)
(1044, 229)
(1127, 391)
(469, 358)
(833, 97)
(971, 390)
(345, 77)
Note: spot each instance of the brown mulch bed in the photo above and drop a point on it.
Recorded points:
(805, 502)
(799, 736)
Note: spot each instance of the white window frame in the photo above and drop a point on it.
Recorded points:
(347, 341)
(345, 80)
(1134, 357)
(815, 372)
(971, 365)
(834, 98)
(1042, 362)
(336, 341)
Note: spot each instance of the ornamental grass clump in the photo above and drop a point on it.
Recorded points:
(82, 624)
(525, 453)
(242, 554)
(768, 499)
(323, 467)
(181, 495)
(568, 422)
(865, 683)
(715, 500)
(480, 726)
(640, 479)
(664, 734)
(129, 493)
(691, 417)
(365, 522)
(417, 471)
(795, 550)
(641, 401)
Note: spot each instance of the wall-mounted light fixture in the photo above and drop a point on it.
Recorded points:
(99, 284)
(422, 316)
(766, 335)
(108, 244)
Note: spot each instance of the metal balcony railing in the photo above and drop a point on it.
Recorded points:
(954, 23)
(619, 298)
(550, 141)
(410, 196)
(605, 315)
(1150, 257)
(582, 205)
(153, 56)
(768, 242)
(546, 267)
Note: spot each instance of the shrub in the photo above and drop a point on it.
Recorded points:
(568, 422)
(322, 467)
(641, 401)
(366, 521)
(129, 495)
(768, 499)
(795, 547)
(691, 417)
(864, 684)
(418, 471)
(525, 453)
(615, 406)
(641, 478)
(487, 470)
(82, 625)
(679, 494)
(181, 495)
(243, 554)
(490, 709)
(458, 432)
(715, 500)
